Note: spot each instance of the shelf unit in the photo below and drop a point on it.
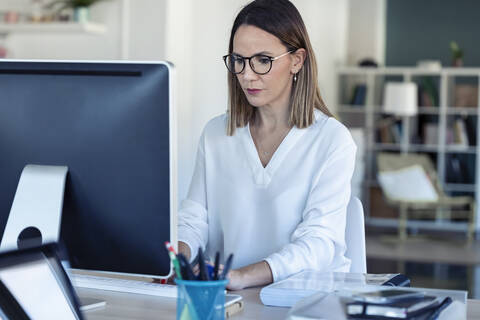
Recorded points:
(443, 114)
(52, 27)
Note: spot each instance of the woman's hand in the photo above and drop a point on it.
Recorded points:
(235, 280)
(184, 249)
(257, 274)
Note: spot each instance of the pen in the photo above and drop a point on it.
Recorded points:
(228, 264)
(201, 265)
(173, 258)
(217, 264)
(187, 272)
(188, 312)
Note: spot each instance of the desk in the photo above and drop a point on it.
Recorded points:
(134, 306)
(142, 307)
(453, 252)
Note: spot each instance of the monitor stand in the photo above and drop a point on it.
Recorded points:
(35, 216)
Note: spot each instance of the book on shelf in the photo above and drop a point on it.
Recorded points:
(471, 129)
(430, 133)
(460, 133)
(427, 93)
(389, 130)
(449, 137)
(463, 132)
(460, 168)
(359, 95)
(466, 95)
(386, 135)
(427, 128)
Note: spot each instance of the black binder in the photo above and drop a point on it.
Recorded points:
(399, 280)
(423, 308)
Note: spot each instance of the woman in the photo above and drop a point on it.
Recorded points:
(272, 176)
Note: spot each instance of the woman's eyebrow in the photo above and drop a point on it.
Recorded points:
(255, 54)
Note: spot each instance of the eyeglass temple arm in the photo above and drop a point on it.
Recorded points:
(282, 55)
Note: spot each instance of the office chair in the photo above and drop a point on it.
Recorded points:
(355, 236)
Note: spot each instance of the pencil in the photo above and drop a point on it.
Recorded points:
(173, 258)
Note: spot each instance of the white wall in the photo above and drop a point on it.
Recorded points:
(198, 34)
(70, 46)
(197, 38)
(366, 30)
(193, 35)
(326, 23)
(146, 29)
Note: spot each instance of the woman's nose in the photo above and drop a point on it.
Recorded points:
(248, 73)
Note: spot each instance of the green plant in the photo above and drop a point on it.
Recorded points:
(64, 4)
(457, 53)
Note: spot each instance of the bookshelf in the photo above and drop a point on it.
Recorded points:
(445, 128)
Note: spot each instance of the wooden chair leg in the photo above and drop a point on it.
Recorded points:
(471, 223)
(402, 223)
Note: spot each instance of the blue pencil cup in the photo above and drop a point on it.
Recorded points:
(200, 300)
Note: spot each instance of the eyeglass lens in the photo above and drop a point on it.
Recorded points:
(260, 64)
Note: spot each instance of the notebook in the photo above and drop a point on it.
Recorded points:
(287, 292)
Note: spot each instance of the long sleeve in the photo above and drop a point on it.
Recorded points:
(192, 215)
(318, 242)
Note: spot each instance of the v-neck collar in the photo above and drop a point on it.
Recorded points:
(263, 175)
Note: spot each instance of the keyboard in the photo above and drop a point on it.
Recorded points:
(123, 285)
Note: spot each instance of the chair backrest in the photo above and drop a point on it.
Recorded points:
(355, 236)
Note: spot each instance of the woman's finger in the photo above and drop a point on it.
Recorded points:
(196, 269)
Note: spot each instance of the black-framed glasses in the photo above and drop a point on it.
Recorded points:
(259, 63)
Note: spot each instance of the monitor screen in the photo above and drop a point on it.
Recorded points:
(112, 124)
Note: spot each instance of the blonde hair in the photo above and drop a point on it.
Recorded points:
(282, 19)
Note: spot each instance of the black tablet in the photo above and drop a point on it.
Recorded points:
(36, 286)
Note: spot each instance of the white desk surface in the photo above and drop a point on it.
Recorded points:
(142, 307)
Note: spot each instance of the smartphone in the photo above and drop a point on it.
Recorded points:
(233, 304)
(386, 296)
(231, 299)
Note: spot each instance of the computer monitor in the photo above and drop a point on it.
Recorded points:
(112, 124)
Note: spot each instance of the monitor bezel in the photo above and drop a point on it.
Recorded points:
(172, 151)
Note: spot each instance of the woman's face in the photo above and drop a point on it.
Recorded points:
(274, 88)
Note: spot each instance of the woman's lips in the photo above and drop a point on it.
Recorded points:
(253, 91)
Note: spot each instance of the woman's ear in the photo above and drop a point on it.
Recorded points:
(298, 58)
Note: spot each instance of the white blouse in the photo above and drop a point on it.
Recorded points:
(290, 213)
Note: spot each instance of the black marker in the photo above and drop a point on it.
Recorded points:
(201, 266)
(215, 267)
(185, 268)
(227, 266)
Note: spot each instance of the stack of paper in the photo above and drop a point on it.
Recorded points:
(287, 292)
